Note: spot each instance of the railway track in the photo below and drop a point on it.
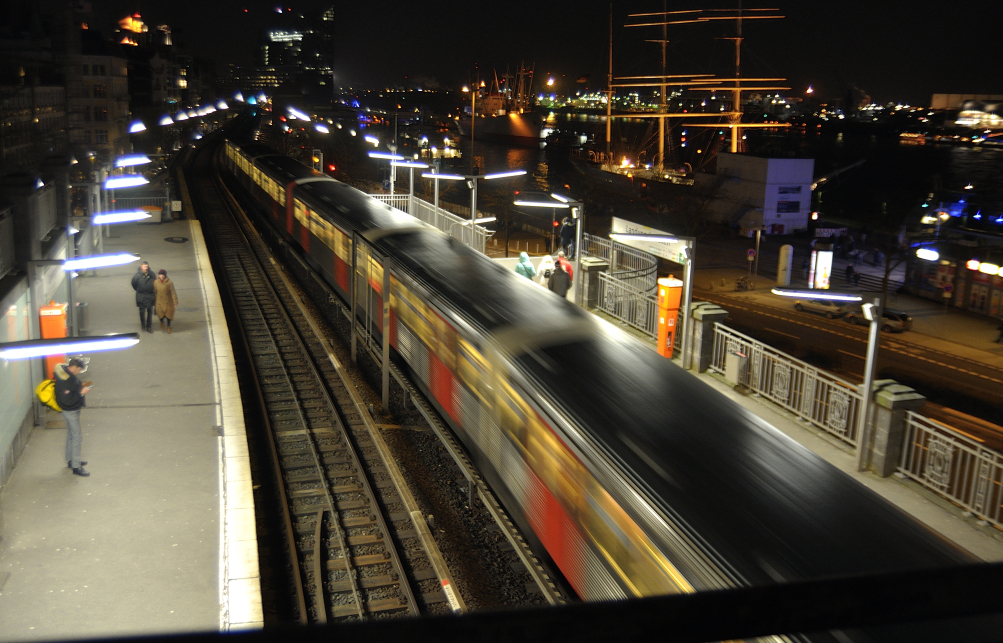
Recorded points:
(357, 548)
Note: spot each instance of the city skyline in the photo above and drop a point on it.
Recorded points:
(890, 55)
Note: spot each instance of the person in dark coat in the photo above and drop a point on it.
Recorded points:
(568, 237)
(559, 281)
(70, 392)
(146, 298)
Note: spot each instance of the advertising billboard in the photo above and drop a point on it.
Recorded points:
(820, 269)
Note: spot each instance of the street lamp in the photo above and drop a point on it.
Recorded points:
(577, 214)
(410, 165)
(392, 156)
(872, 312)
(471, 180)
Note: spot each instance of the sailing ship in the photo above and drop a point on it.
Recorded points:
(506, 113)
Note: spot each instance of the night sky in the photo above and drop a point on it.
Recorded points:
(878, 47)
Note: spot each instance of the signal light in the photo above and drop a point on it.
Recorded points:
(330, 167)
(556, 224)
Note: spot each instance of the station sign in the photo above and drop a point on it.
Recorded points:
(673, 251)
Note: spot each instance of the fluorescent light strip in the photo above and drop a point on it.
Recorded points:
(816, 294)
(99, 261)
(502, 175)
(128, 181)
(87, 345)
(542, 204)
(447, 177)
(119, 217)
(627, 236)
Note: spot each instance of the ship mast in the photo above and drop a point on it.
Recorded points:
(707, 82)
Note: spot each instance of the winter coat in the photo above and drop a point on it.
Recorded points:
(68, 388)
(567, 234)
(525, 266)
(142, 283)
(559, 282)
(545, 270)
(567, 267)
(167, 297)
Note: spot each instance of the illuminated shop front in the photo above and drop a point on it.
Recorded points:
(959, 276)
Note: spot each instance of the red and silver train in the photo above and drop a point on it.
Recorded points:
(634, 477)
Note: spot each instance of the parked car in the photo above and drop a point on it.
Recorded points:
(827, 307)
(892, 321)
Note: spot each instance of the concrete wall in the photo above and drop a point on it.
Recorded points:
(16, 413)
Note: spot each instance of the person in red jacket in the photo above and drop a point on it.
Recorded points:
(566, 265)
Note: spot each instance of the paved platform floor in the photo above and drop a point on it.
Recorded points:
(137, 548)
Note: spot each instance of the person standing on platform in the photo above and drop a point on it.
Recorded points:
(566, 265)
(166, 299)
(545, 270)
(525, 266)
(559, 281)
(568, 229)
(142, 283)
(70, 392)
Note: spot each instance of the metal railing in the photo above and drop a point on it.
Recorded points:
(632, 267)
(7, 261)
(953, 466)
(455, 226)
(139, 201)
(628, 304)
(819, 398)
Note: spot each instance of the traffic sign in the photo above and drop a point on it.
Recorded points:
(948, 288)
(752, 252)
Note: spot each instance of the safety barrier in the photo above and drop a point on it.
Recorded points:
(455, 226)
(954, 467)
(628, 304)
(816, 397)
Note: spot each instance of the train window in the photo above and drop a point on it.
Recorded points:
(513, 413)
(475, 372)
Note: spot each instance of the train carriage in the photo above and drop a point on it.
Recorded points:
(634, 478)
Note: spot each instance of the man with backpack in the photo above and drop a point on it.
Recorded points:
(70, 392)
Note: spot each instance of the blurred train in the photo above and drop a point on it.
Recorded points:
(633, 476)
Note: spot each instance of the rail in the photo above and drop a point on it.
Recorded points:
(628, 304)
(954, 467)
(455, 226)
(816, 397)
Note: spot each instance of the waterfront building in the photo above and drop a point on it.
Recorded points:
(750, 192)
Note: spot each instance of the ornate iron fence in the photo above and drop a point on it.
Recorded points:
(815, 396)
(628, 304)
(455, 226)
(953, 466)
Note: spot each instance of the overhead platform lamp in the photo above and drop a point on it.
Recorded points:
(471, 180)
(58, 322)
(560, 202)
(872, 310)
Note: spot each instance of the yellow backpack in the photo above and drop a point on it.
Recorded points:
(46, 394)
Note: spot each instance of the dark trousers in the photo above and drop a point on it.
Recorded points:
(166, 320)
(146, 317)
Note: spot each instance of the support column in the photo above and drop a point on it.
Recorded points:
(891, 401)
(589, 274)
(704, 316)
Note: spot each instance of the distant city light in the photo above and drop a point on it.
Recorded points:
(136, 127)
(322, 128)
(165, 120)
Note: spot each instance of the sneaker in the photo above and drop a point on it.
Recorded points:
(80, 471)
(69, 464)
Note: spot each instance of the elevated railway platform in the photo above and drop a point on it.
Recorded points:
(160, 538)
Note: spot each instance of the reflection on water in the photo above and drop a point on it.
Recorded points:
(896, 174)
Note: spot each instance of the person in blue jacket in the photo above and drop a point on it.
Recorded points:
(525, 266)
